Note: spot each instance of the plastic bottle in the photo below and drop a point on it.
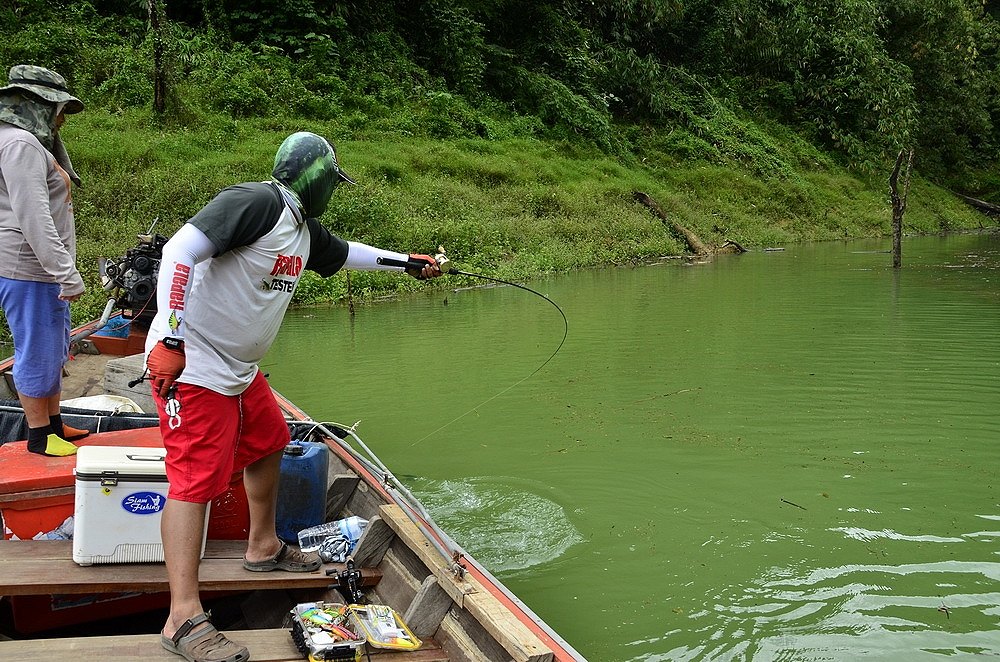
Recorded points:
(301, 488)
(350, 527)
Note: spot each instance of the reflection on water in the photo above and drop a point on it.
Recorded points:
(773, 456)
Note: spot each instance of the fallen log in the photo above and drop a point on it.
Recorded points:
(981, 205)
(693, 242)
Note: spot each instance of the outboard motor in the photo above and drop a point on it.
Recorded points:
(133, 277)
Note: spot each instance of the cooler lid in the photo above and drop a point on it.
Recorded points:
(27, 472)
(127, 461)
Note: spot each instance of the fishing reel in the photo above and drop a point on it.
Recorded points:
(133, 277)
(349, 582)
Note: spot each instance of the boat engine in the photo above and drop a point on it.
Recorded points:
(133, 278)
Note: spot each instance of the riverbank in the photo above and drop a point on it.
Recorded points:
(512, 208)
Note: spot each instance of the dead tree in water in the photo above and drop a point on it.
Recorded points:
(693, 242)
(899, 206)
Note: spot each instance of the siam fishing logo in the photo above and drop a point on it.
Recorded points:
(144, 503)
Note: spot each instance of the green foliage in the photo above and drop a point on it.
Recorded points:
(568, 114)
(861, 100)
(449, 42)
(943, 42)
(861, 77)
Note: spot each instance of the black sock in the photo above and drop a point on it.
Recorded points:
(38, 439)
(68, 434)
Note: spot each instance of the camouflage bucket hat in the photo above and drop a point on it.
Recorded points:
(307, 164)
(43, 83)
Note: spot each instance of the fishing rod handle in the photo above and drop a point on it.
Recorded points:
(406, 264)
(443, 263)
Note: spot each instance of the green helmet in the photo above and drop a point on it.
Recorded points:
(307, 164)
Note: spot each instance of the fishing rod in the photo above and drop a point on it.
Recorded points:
(445, 265)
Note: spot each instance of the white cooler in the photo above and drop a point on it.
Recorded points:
(120, 493)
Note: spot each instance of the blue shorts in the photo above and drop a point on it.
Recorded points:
(39, 322)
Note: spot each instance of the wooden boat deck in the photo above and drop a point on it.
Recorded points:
(274, 645)
(37, 567)
(46, 567)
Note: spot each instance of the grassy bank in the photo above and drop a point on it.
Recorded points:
(512, 208)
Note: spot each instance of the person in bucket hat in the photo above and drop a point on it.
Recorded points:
(38, 274)
(226, 278)
(43, 83)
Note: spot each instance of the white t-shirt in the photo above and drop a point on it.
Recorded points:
(239, 296)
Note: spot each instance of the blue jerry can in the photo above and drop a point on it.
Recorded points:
(301, 488)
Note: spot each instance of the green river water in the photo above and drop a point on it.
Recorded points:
(784, 455)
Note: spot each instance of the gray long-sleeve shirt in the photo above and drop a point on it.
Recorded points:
(37, 231)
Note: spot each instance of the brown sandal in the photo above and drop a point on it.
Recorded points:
(288, 559)
(206, 645)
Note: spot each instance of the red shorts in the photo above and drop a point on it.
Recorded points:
(218, 435)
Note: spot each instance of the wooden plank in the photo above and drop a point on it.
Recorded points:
(64, 576)
(511, 633)
(365, 502)
(397, 588)
(341, 488)
(373, 543)
(462, 647)
(431, 557)
(497, 618)
(428, 608)
(21, 551)
(43, 567)
(274, 645)
(37, 495)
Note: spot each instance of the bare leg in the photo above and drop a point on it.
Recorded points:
(54, 404)
(38, 410)
(181, 526)
(261, 482)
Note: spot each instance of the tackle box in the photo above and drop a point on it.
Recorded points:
(322, 631)
(383, 627)
(120, 495)
(332, 631)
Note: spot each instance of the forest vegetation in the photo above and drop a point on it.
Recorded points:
(515, 133)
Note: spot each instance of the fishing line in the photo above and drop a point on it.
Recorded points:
(457, 272)
(523, 379)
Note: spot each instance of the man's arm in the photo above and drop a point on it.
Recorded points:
(167, 360)
(328, 254)
(186, 248)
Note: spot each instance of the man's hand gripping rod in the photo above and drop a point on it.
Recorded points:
(417, 264)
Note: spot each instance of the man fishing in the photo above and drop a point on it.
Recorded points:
(225, 281)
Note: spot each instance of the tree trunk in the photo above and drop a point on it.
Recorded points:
(693, 242)
(981, 205)
(899, 205)
(159, 79)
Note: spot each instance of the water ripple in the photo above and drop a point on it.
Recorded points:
(505, 523)
(865, 535)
